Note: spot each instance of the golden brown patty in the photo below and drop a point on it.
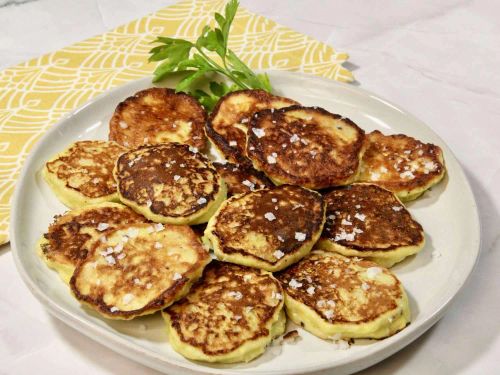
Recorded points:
(158, 115)
(228, 122)
(242, 178)
(401, 164)
(139, 269)
(269, 228)
(369, 221)
(305, 146)
(334, 295)
(169, 183)
(83, 173)
(68, 238)
(227, 316)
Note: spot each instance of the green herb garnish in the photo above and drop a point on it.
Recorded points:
(195, 62)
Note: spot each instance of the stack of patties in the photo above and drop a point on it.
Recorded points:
(121, 260)
(293, 179)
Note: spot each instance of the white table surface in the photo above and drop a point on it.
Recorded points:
(438, 59)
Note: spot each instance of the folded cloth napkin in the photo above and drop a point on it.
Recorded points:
(36, 94)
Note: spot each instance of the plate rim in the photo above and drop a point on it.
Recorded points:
(155, 360)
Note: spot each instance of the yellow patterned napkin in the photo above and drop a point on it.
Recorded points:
(36, 94)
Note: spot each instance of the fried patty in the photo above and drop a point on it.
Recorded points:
(335, 297)
(401, 164)
(169, 183)
(305, 146)
(229, 316)
(268, 229)
(241, 178)
(69, 237)
(83, 173)
(158, 115)
(228, 123)
(368, 221)
(139, 269)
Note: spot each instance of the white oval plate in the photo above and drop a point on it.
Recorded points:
(448, 214)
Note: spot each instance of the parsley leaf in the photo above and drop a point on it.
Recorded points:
(196, 61)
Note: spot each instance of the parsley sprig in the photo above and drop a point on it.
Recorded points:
(207, 56)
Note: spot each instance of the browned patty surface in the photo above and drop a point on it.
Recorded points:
(87, 167)
(217, 311)
(329, 283)
(368, 217)
(306, 146)
(154, 115)
(168, 178)
(228, 123)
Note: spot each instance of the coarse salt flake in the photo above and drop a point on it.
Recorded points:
(236, 295)
(372, 272)
(258, 132)
(278, 254)
(248, 184)
(359, 216)
(294, 284)
(202, 200)
(110, 259)
(346, 222)
(299, 236)
(271, 159)
(310, 290)
(270, 216)
(407, 174)
(102, 226)
(177, 276)
(127, 298)
(328, 314)
(276, 295)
